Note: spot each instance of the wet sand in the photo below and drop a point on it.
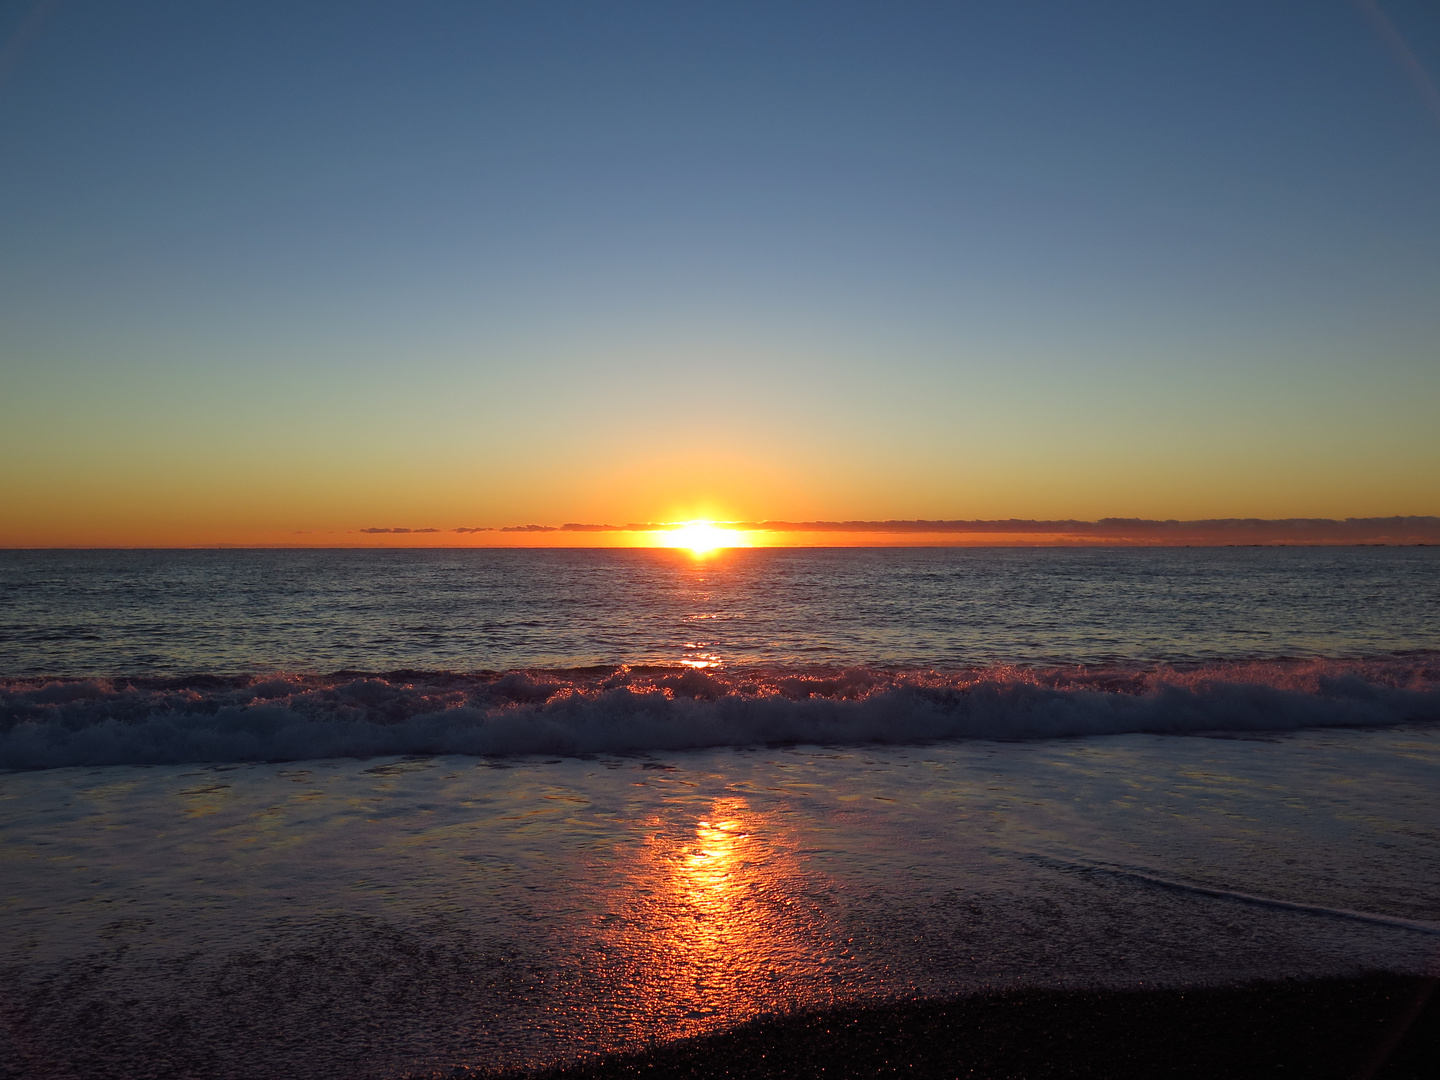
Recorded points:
(369, 919)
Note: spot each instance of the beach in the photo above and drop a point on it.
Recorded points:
(1373, 1027)
(384, 917)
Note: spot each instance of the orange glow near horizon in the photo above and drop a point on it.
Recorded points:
(702, 537)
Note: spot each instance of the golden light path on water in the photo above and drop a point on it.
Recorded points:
(712, 924)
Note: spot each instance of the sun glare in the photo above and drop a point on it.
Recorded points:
(701, 537)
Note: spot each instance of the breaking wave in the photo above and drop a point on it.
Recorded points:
(56, 723)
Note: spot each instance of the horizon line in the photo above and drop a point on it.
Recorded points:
(1392, 531)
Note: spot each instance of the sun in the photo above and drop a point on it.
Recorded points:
(701, 537)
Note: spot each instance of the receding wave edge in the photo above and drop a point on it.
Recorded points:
(58, 723)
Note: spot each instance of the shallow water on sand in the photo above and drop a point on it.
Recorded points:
(366, 918)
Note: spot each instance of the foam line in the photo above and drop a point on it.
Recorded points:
(1419, 926)
(55, 723)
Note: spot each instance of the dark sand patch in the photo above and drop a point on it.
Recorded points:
(1380, 1027)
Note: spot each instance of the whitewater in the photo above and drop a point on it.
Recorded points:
(49, 724)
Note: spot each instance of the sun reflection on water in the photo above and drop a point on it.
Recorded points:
(718, 926)
(708, 879)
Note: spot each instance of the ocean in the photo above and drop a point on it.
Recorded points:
(379, 813)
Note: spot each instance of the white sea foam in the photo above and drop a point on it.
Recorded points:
(93, 722)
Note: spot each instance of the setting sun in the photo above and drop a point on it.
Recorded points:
(702, 537)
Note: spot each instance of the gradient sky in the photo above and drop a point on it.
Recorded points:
(276, 272)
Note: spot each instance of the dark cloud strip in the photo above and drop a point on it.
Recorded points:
(1298, 528)
(1387, 530)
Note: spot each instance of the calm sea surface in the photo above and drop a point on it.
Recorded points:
(80, 613)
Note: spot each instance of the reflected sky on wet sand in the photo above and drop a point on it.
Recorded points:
(363, 918)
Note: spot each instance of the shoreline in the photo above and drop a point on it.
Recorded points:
(1372, 1027)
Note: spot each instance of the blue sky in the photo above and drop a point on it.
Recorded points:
(270, 268)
